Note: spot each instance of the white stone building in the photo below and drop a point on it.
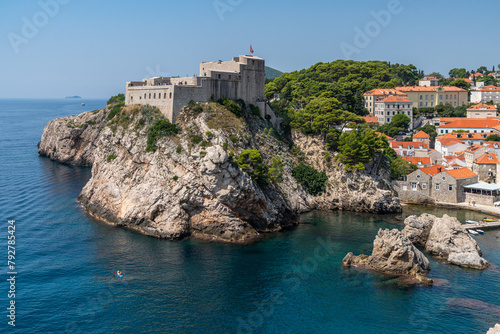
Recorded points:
(486, 94)
(390, 106)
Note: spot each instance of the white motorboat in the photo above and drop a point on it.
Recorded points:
(473, 232)
(480, 231)
(468, 221)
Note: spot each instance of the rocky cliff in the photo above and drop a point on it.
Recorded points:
(188, 183)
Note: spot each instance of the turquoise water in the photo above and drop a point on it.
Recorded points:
(291, 282)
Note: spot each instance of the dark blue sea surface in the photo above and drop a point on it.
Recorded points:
(290, 282)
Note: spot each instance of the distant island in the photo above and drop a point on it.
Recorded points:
(73, 97)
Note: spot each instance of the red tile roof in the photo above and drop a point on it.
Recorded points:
(466, 123)
(370, 119)
(399, 98)
(461, 173)
(450, 141)
(489, 88)
(432, 170)
(405, 144)
(474, 148)
(386, 136)
(487, 159)
(380, 91)
(482, 106)
(430, 89)
(476, 75)
(416, 160)
(429, 78)
(467, 80)
(421, 134)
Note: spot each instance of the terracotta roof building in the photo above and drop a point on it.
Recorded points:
(434, 95)
(373, 95)
(486, 94)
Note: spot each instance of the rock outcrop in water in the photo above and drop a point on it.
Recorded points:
(191, 185)
(393, 253)
(445, 237)
(494, 330)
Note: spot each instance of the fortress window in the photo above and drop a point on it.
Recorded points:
(131, 98)
(144, 96)
(140, 97)
(229, 77)
(219, 76)
(154, 95)
(185, 82)
(164, 95)
(170, 95)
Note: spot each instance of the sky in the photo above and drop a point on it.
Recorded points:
(58, 48)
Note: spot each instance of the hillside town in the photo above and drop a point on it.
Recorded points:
(457, 158)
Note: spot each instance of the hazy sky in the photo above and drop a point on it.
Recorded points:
(56, 48)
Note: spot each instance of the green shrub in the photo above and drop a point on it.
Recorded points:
(275, 172)
(111, 157)
(160, 129)
(208, 134)
(254, 110)
(225, 146)
(175, 178)
(115, 110)
(313, 181)
(205, 144)
(327, 156)
(251, 162)
(117, 98)
(233, 106)
(90, 122)
(178, 149)
(196, 139)
(233, 138)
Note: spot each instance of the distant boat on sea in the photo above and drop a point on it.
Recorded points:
(83, 104)
(73, 97)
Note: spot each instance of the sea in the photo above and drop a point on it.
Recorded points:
(61, 275)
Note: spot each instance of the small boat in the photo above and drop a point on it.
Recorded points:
(490, 219)
(468, 221)
(473, 232)
(480, 231)
(83, 104)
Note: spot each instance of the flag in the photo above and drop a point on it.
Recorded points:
(251, 49)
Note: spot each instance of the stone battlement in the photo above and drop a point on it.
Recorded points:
(241, 78)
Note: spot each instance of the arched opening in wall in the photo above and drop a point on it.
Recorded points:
(131, 98)
(164, 95)
(170, 95)
(144, 96)
(185, 82)
(154, 95)
(150, 95)
(140, 97)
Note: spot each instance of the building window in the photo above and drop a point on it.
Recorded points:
(144, 96)
(424, 185)
(229, 76)
(414, 186)
(421, 104)
(131, 98)
(218, 76)
(421, 97)
(154, 95)
(405, 187)
(164, 95)
(440, 97)
(149, 95)
(450, 187)
(432, 104)
(437, 186)
(427, 97)
(170, 95)
(418, 176)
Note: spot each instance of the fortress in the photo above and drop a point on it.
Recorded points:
(241, 78)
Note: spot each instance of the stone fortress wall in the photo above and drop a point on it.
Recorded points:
(241, 78)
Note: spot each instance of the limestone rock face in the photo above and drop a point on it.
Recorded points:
(448, 237)
(185, 188)
(394, 253)
(468, 260)
(417, 229)
(494, 330)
